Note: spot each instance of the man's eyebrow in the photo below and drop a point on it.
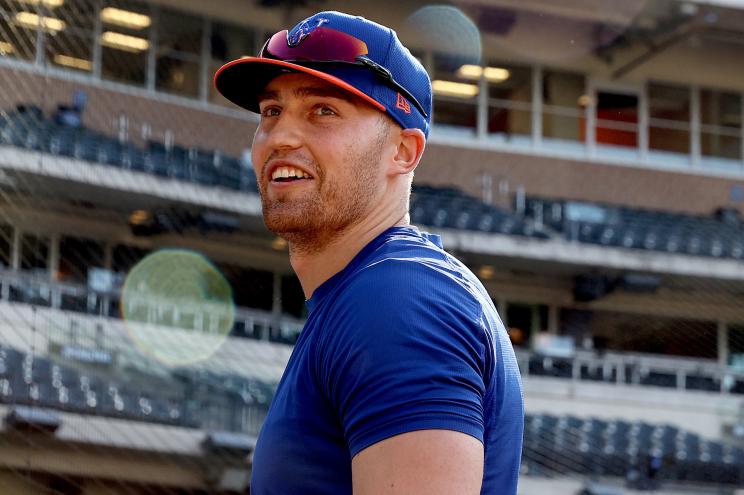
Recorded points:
(267, 95)
(329, 92)
(307, 91)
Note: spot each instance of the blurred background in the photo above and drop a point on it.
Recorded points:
(586, 162)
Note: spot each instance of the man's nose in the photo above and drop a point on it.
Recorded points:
(284, 133)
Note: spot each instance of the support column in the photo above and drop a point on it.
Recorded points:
(481, 129)
(276, 302)
(15, 249)
(553, 319)
(151, 73)
(695, 147)
(537, 106)
(643, 136)
(205, 60)
(53, 258)
(723, 348)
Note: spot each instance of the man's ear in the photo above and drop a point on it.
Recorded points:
(410, 147)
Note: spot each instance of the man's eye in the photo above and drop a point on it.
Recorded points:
(323, 110)
(270, 112)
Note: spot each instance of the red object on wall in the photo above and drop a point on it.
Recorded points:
(610, 135)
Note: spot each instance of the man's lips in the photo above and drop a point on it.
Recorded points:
(275, 165)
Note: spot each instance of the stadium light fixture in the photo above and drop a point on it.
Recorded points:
(279, 244)
(492, 74)
(486, 272)
(124, 42)
(6, 48)
(74, 62)
(452, 88)
(52, 4)
(51, 25)
(125, 18)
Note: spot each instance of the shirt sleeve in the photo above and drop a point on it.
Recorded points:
(404, 350)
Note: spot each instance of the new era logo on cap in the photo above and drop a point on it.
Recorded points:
(403, 104)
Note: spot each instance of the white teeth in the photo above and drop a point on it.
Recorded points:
(286, 172)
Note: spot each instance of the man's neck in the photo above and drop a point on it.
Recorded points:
(316, 266)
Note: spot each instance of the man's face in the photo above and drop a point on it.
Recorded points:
(317, 154)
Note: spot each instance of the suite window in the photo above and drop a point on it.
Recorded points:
(19, 22)
(655, 334)
(509, 99)
(125, 40)
(76, 257)
(125, 257)
(34, 252)
(228, 42)
(736, 346)
(72, 47)
(720, 118)
(524, 321)
(178, 54)
(456, 90)
(669, 118)
(251, 288)
(6, 243)
(563, 105)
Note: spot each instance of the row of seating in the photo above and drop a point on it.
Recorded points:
(562, 444)
(546, 366)
(28, 128)
(188, 399)
(447, 207)
(720, 235)
(197, 398)
(439, 207)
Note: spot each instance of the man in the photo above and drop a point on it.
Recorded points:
(403, 380)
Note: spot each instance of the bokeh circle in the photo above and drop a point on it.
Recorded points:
(177, 306)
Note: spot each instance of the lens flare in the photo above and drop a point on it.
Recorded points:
(177, 306)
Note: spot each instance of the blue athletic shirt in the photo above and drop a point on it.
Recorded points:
(404, 338)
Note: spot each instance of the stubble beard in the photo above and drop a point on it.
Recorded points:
(325, 212)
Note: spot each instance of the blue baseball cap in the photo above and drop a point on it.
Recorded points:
(356, 54)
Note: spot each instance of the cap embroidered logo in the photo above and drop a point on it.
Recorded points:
(403, 104)
(301, 31)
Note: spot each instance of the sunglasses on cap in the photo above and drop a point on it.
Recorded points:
(326, 45)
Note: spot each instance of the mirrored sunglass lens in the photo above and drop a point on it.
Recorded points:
(320, 45)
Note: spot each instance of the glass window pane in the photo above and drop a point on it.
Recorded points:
(720, 116)
(228, 42)
(179, 45)
(34, 252)
(125, 257)
(655, 334)
(617, 119)
(563, 112)
(736, 346)
(251, 288)
(176, 75)
(70, 51)
(6, 243)
(78, 15)
(179, 32)
(76, 257)
(455, 95)
(72, 47)
(669, 118)
(17, 31)
(125, 40)
(509, 99)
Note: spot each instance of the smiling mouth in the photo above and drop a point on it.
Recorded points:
(289, 174)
